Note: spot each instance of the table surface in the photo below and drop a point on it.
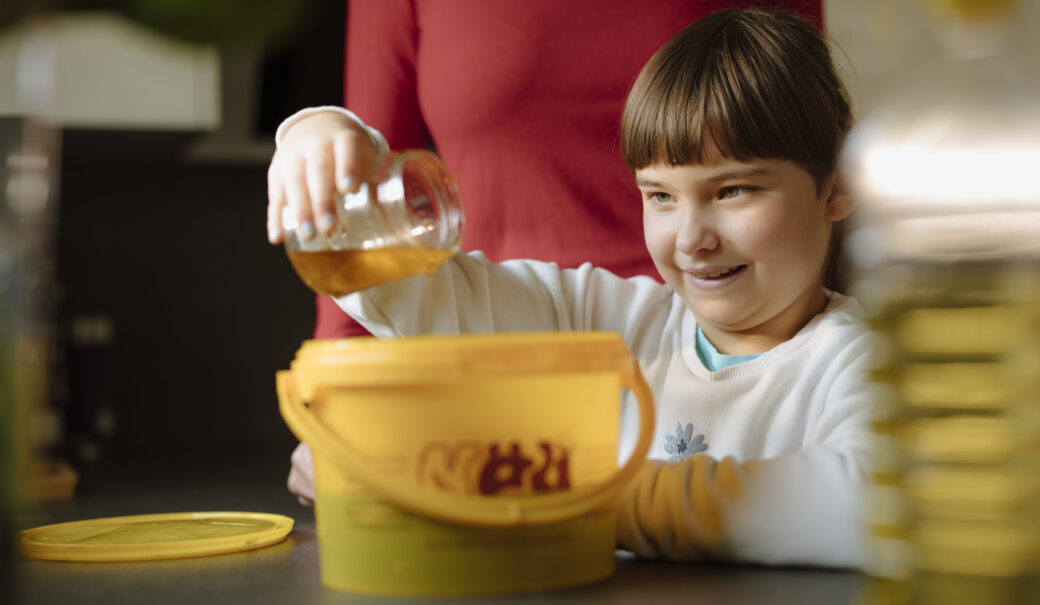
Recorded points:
(288, 572)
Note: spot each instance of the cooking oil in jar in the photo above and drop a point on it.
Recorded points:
(340, 272)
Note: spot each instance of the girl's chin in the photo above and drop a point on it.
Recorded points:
(722, 320)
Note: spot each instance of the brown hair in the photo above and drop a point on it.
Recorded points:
(758, 83)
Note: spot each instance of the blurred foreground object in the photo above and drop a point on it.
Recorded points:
(31, 166)
(8, 470)
(29, 150)
(946, 252)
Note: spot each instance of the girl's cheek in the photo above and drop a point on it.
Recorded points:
(656, 229)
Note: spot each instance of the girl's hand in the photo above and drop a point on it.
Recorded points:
(301, 475)
(321, 154)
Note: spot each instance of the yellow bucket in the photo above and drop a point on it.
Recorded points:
(465, 465)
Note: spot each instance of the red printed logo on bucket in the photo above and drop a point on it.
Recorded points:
(494, 468)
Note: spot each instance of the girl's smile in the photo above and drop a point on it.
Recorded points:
(714, 277)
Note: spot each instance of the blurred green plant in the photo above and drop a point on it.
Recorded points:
(222, 22)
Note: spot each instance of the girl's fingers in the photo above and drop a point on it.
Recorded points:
(294, 174)
(354, 158)
(275, 203)
(342, 172)
(320, 183)
(301, 475)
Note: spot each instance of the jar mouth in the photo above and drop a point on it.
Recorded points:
(417, 183)
(414, 202)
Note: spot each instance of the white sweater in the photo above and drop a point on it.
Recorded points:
(782, 440)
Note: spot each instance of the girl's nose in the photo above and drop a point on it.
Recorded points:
(696, 231)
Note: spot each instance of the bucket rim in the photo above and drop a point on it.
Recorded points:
(368, 360)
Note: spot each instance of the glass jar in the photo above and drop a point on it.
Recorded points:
(407, 224)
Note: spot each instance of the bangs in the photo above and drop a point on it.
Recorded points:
(693, 116)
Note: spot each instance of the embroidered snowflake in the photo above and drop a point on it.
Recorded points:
(683, 444)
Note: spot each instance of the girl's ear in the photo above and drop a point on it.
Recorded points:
(840, 203)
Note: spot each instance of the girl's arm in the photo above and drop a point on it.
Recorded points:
(798, 509)
(470, 294)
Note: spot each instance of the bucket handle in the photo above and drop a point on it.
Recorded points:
(481, 511)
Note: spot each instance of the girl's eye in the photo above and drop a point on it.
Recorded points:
(733, 192)
(659, 197)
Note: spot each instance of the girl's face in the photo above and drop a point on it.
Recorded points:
(743, 244)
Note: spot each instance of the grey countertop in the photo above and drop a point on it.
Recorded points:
(288, 572)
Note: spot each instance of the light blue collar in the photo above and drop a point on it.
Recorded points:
(714, 360)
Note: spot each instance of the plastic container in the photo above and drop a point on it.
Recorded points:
(465, 465)
(946, 255)
(406, 225)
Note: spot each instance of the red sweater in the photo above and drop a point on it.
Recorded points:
(522, 100)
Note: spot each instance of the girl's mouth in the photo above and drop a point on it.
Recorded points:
(718, 275)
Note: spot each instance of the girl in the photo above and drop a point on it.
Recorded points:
(732, 132)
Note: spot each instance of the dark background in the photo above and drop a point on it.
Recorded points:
(172, 253)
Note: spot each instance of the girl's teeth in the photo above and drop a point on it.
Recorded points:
(716, 274)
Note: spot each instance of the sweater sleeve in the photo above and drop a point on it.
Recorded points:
(797, 509)
(378, 141)
(470, 294)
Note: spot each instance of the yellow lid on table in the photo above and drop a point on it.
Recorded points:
(153, 537)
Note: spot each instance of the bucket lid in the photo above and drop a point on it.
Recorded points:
(151, 537)
(369, 361)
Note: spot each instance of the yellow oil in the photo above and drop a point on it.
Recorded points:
(955, 499)
(340, 272)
